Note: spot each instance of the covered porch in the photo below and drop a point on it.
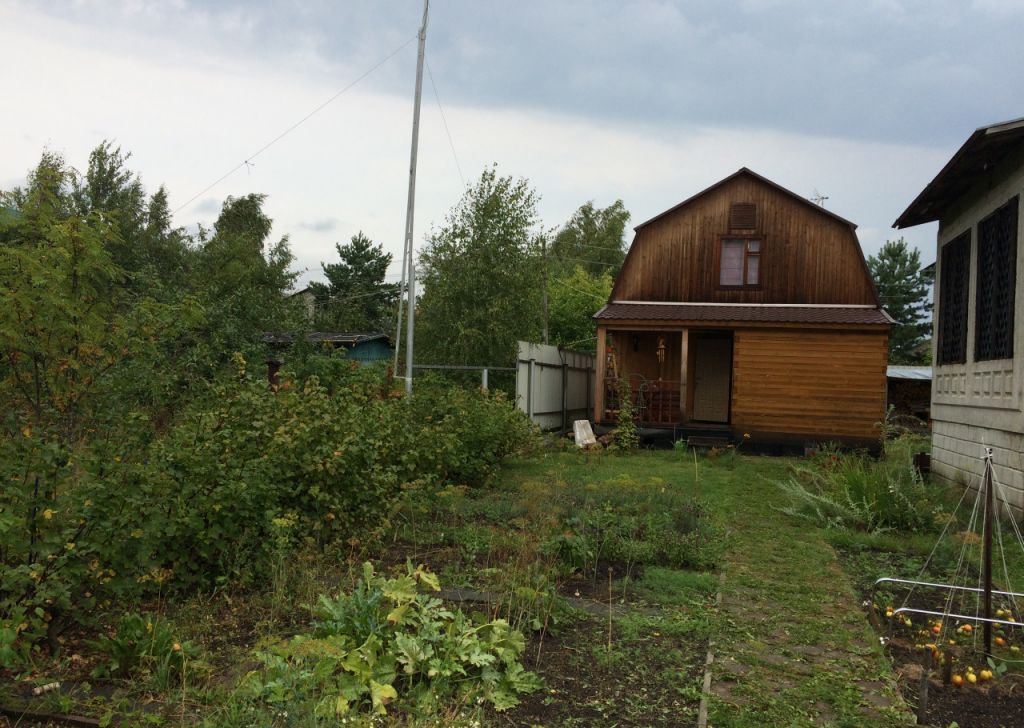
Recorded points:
(673, 376)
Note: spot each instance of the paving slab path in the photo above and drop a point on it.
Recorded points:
(792, 647)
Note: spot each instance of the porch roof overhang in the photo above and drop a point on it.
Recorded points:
(740, 313)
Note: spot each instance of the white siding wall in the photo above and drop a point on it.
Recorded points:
(980, 403)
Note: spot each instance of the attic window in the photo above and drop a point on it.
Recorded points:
(739, 263)
(743, 216)
(954, 282)
(997, 265)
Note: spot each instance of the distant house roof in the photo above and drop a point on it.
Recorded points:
(755, 175)
(752, 313)
(896, 371)
(982, 151)
(321, 337)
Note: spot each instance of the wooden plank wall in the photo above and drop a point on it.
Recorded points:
(820, 384)
(808, 256)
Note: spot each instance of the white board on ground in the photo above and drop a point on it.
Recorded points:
(583, 432)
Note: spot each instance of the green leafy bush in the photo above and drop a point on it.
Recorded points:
(626, 435)
(387, 645)
(203, 503)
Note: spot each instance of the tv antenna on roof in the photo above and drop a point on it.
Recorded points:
(818, 198)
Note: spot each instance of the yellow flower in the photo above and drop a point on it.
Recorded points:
(70, 546)
(48, 514)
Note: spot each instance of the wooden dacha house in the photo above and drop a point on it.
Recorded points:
(746, 311)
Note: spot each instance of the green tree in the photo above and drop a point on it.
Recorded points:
(115, 193)
(594, 238)
(242, 279)
(355, 297)
(574, 297)
(481, 276)
(903, 288)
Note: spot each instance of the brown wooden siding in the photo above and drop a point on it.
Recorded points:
(819, 384)
(807, 256)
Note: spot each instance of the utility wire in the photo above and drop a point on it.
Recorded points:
(444, 120)
(248, 160)
(580, 290)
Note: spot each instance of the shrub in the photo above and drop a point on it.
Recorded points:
(386, 645)
(204, 503)
(626, 436)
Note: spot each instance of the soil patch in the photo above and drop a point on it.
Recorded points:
(653, 682)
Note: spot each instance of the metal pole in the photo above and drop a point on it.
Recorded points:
(544, 289)
(987, 555)
(484, 379)
(411, 275)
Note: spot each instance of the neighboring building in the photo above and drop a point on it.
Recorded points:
(747, 310)
(308, 300)
(363, 348)
(910, 391)
(978, 355)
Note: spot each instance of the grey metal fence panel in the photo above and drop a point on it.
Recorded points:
(554, 386)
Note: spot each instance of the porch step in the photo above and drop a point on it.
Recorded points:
(708, 441)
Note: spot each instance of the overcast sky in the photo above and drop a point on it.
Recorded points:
(861, 101)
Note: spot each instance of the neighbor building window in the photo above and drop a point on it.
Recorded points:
(740, 262)
(954, 283)
(997, 279)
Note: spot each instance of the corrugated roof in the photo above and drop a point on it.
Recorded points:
(769, 313)
(318, 337)
(899, 371)
(982, 151)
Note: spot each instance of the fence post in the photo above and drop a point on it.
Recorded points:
(565, 395)
(590, 395)
(529, 388)
(484, 379)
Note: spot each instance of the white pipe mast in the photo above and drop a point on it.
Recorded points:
(409, 256)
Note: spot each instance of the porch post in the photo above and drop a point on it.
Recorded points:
(684, 361)
(599, 375)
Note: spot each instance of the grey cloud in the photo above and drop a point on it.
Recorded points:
(894, 70)
(324, 225)
(207, 206)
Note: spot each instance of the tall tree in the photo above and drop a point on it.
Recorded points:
(481, 276)
(594, 238)
(115, 193)
(575, 298)
(242, 277)
(903, 288)
(355, 297)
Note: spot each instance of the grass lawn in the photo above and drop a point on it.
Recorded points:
(610, 565)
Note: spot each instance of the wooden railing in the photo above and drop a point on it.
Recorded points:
(655, 401)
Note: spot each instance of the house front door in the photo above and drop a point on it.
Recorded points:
(712, 375)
